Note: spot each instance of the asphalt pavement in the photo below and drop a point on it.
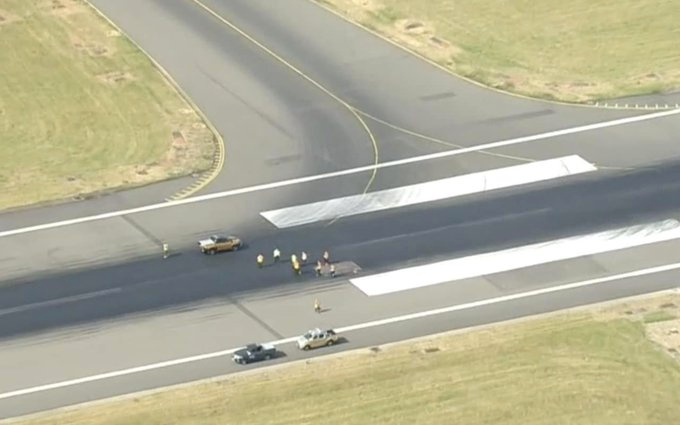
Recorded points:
(276, 118)
(143, 341)
(375, 242)
(99, 297)
(278, 125)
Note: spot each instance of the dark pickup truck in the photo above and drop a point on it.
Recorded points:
(254, 353)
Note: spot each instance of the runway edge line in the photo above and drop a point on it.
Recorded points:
(346, 172)
(325, 357)
(350, 328)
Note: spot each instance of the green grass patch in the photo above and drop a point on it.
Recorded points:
(592, 367)
(386, 15)
(82, 110)
(658, 316)
(577, 50)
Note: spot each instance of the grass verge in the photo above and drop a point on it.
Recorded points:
(604, 365)
(576, 50)
(82, 110)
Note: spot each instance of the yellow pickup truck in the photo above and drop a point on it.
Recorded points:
(217, 243)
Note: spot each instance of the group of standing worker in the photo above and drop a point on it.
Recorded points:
(298, 263)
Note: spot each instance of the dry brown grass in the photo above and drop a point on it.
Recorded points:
(583, 367)
(82, 110)
(577, 50)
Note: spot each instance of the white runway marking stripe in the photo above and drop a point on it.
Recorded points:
(517, 258)
(346, 329)
(428, 192)
(366, 168)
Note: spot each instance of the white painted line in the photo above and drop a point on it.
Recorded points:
(516, 258)
(268, 186)
(346, 329)
(428, 192)
(512, 297)
(123, 372)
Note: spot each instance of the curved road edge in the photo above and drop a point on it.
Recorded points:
(219, 146)
(356, 113)
(610, 104)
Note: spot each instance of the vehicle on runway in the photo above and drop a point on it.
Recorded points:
(316, 338)
(218, 243)
(254, 353)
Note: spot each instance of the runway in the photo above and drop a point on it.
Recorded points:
(97, 296)
(153, 310)
(191, 333)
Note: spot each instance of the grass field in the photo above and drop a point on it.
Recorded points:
(576, 50)
(610, 365)
(81, 110)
